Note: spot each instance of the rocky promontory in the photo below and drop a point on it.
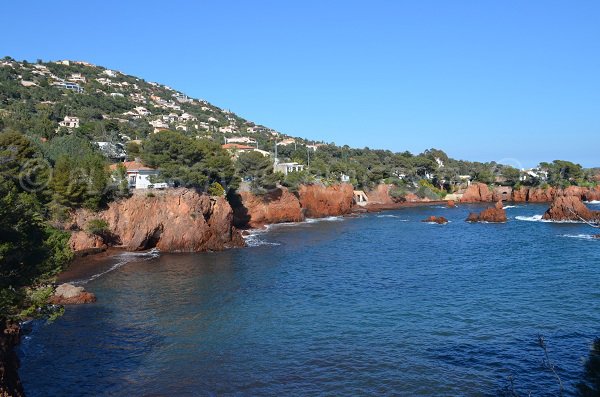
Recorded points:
(280, 205)
(68, 294)
(175, 220)
(570, 208)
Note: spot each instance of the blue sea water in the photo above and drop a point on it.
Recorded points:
(382, 304)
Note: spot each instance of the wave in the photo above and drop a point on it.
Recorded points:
(125, 257)
(581, 236)
(511, 206)
(326, 219)
(253, 238)
(538, 218)
(593, 202)
(392, 216)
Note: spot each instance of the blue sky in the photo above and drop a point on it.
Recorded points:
(510, 81)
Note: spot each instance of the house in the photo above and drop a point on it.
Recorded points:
(237, 148)
(285, 142)
(116, 94)
(104, 81)
(69, 86)
(158, 124)
(142, 111)
(110, 73)
(77, 78)
(181, 127)
(138, 175)
(70, 122)
(242, 139)
(227, 130)
(286, 168)
(187, 117)
(212, 120)
(344, 178)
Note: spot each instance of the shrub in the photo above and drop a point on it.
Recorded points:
(99, 227)
(215, 189)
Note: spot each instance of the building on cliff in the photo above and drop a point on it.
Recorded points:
(139, 175)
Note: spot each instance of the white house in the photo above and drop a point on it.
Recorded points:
(139, 175)
(286, 168)
(77, 78)
(70, 122)
(241, 139)
(110, 73)
(286, 142)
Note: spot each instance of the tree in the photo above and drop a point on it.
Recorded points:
(511, 174)
(188, 162)
(258, 170)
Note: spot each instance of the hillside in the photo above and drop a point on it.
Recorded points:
(54, 99)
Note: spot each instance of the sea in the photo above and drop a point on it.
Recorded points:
(379, 304)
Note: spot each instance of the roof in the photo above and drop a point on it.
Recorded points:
(132, 166)
(236, 146)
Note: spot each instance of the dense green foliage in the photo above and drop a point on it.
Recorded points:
(188, 162)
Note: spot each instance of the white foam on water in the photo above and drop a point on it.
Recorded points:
(326, 219)
(510, 206)
(125, 257)
(253, 237)
(392, 216)
(593, 202)
(538, 218)
(581, 236)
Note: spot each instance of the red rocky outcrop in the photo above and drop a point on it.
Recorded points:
(320, 201)
(570, 208)
(539, 195)
(495, 214)
(82, 243)
(276, 206)
(477, 193)
(436, 219)
(451, 204)
(68, 294)
(520, 195)
(173, 220)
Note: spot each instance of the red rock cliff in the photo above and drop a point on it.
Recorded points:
(173, 220)
(319, 201)
(276, 206)
(476, 193)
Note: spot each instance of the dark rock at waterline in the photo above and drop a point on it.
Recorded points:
(436, 219)
(496, 214)
(68, 294)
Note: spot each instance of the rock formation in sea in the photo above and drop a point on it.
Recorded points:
(477, 193)
(174, 220)
(451, 204)
(321, 201)
(68, 294)
(496, 214)
(570, 208)
(10, 384)
(436, 219)
(277, 206)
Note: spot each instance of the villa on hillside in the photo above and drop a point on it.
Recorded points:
(69, 122)
(286, 168)
(138, 175)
